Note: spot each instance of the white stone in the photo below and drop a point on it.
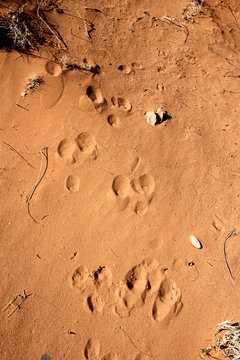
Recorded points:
(195, 242)
(161, 112)
(151, 118)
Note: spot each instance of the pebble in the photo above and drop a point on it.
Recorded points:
(151, 118)
(195, 242)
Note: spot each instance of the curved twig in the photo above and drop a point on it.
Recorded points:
(224, 253)
(39, 179)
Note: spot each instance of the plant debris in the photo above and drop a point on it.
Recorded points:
(15, 303)
(25, 26)
(70, 65)
(227, 341)
(34, 83)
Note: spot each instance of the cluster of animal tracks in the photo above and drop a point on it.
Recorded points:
(145, 284)
(84, 147)
(147, 280)
(93, 99)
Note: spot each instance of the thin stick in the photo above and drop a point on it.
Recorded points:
(224, 253)
(98, 11)
(38, 14)
(12, 148)
(39, 179)
(181, 25)
(203, 97)
(231, 11)
(136, 347)
(16, 306)
(80, 16)
(229, 71)
(22, 107)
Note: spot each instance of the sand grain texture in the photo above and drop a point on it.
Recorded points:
(109, 266)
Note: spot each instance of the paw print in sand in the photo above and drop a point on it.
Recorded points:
(77, 151)
(145, 281)
(143, 185)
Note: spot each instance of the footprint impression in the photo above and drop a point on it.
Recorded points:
(144, 185)
(52, 93)
(73, 183)
(168, 302)
(77, 151)
(95, 286)
(121, 104)
(93, 98)
(127, 69)
(148, 278)
(92, 351)
(144, 280)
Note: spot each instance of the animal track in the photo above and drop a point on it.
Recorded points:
(98, 100)
(137, 66)
(73, 183)
(94, 94)
(121, 103)
(121, 186)
(110, 356)
(86, 142)
(141, 207)
(92, 349)
(113, 120)
(168, 303)
(125, 69)
(96, 286)
(53, 69)
(78, 150)
(66, 150)
(100, 292)
(140, 280)
(145, 184)
(80, 278)
(94, 303)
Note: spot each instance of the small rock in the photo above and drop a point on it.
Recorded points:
(151, 118)
(155, 118)
(195, 242)
(161, 112)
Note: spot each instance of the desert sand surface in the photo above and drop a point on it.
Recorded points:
(98, 205)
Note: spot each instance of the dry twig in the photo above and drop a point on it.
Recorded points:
(202, 96)
(44, 153)
(49, 28)
(177, 23)
(193, 8)
(12, 148)
(224, 252)
(228, 341)
(85, 22)
(15, 302)
(34, 83)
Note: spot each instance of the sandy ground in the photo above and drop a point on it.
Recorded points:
(104, 250)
